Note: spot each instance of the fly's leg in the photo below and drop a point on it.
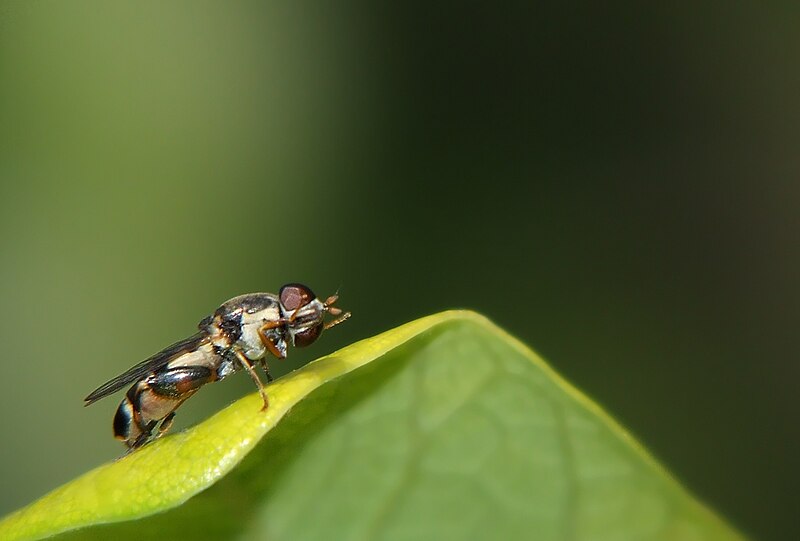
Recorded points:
(249, 367)
(265, 366)
(165, 425)
(144, 437)
(270, 345)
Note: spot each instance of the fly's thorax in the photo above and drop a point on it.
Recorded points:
(237, 321)
(249, 340)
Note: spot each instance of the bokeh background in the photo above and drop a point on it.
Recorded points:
(617, 186)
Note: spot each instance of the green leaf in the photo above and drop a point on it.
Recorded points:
(444, 428)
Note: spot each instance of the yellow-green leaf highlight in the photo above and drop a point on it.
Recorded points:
(445, 427)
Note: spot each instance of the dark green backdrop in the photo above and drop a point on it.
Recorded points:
(617, 186)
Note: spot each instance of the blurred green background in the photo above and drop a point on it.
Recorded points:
(617, 186)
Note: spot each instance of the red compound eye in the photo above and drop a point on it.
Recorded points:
(308, 336)
(294, 296)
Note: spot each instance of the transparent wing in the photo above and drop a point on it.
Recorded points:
(145, 367)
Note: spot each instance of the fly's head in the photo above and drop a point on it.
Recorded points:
(304, 313)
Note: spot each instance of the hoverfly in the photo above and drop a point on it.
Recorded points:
(241, 332)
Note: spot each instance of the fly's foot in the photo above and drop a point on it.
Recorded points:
(266, 400)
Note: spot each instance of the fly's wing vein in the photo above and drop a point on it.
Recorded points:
(145, 367)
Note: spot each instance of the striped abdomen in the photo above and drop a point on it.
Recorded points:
(151, 402)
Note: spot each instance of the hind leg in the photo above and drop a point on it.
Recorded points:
(165, 425)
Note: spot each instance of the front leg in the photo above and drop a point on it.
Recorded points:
(245, 362)
(268, 342)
